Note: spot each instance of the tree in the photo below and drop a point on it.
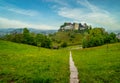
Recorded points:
(64, 44)
(43, 41)
(26, 36)
(17, 38)
(14, 37)
(46, 43)
(112, 37)
(97, 37)
(39, 39)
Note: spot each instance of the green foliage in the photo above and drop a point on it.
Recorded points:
(64, 44)
(26, 37)
(46, 43)
(70, 37)
(43, 41)
(97, 37)
(63, 25)
(14, 37)
(39, 39)
(112, 38)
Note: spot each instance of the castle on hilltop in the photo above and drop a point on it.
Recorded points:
(73, 26)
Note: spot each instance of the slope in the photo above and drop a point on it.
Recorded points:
(27, 64)
(70, 37)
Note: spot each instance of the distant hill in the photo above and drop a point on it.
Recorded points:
(42, 31)
(4, 31)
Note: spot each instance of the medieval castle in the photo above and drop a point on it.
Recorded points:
(73, 26)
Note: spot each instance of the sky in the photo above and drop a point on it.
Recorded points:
(50, 14)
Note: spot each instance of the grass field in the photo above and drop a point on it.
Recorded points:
(98, 65)
(21, 63)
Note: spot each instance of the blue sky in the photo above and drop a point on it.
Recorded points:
(50, 14)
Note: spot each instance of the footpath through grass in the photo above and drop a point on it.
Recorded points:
(98, 65)
(28, 64)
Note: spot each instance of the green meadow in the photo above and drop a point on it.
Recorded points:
(21, 63)
(98, 64)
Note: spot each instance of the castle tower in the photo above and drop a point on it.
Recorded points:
(75, 26)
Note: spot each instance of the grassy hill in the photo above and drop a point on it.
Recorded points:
(98, 64)
(27, 64)
(70, 37)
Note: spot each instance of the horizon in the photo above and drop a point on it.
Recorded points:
(50, 14)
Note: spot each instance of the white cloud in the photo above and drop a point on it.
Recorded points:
(7, 23)
(90, 14)
(60, 2)
(21, 11)
(86, 4)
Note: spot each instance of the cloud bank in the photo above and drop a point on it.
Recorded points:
(8, 23)
(90, 14)
(71, 10)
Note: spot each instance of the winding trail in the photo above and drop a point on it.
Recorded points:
(73, 71)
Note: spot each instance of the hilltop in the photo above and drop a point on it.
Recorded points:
(71, 38)
(70, 33)
(67, 35)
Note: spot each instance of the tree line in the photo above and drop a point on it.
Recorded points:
(97, 37)
(26, 37)
(91, 37)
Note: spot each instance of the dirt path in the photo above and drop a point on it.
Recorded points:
(73, 71)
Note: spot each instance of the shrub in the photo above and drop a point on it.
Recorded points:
(64, 44)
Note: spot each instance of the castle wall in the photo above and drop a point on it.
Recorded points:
(75, 26)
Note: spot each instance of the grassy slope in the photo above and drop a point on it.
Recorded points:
(98, 65)
(24, 63)
(65, 37)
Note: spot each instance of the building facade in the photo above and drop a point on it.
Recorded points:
(74, 26)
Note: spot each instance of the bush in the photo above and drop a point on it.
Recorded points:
(43, 41)
(46, 43)
(64, 44)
